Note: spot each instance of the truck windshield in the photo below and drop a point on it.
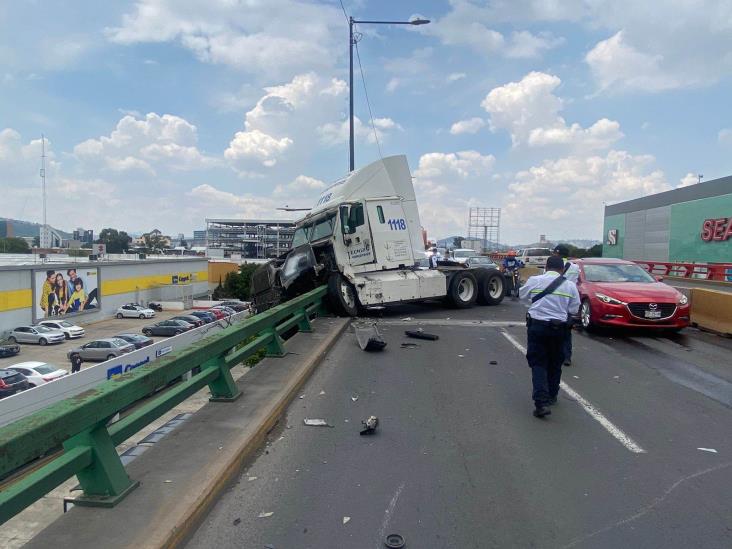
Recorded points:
(314, 231)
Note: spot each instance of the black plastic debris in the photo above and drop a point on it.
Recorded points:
(394, 541)
(493, 362)
(369, 338)
(370, 425)
(407, 345)
(416, 334)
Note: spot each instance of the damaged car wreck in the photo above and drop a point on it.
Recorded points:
(363, 239)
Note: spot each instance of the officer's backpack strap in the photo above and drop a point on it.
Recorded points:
(549, 289)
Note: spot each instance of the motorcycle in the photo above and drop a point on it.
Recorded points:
(515, 283)
(155, 306)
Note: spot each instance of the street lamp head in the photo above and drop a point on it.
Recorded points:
(418, 21)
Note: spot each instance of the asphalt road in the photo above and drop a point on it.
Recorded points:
(459, 461)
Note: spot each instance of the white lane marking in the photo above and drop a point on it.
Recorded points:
(387, 516)
(594, 413)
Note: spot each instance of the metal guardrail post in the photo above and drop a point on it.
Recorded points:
(304, 324)
(276, 347)
(105, 481)
(223, 387)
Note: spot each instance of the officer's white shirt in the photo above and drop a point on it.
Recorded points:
(563, 301)
(572, 273)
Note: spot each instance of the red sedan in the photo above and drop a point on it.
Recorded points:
(615, 292)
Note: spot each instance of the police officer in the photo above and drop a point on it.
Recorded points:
(571, 272)
(553, 299)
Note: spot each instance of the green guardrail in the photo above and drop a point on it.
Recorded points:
(74, 436)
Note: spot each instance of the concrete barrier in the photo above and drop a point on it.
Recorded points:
(711, 309)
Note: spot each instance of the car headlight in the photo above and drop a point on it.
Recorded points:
(607, 299)
(683, 300)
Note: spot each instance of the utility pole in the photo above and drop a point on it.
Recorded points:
(43, 241)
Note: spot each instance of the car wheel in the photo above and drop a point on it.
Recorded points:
(142, 317)
(463, 290)
(178, 332)
(110, 357)
(148, 333)
(12, 340)
(66, 335)
(491, 288)
(119, 315)
(43, 341)
(586, 315)
(342, 296)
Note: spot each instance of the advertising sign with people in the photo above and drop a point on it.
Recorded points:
(65, 292)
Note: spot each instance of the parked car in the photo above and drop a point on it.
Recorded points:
(139, 341)
(190, 319)
(228, 311)
(38, 373)
(615, 292)
(535, 257)
(204, 315)
(12, 382)
(70, 331)
(167, 328)
(461, 255)
(102, 349)
(218, 313)
(238, 306)
(480, 261)
(134, 311)
(8, 348)
(41, 335)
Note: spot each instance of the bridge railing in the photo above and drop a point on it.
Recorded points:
(721, 272)
(74, 436)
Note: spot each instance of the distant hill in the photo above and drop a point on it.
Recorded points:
(28, 228)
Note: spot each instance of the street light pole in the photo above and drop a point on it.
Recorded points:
(351, 43)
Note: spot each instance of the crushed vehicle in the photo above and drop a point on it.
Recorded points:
(363, 238)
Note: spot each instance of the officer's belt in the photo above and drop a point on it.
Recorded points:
(552, 323)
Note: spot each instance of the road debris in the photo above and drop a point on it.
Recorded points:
(302, 396)
(346, 520)
(493, 362)
(407, 345)
(419, 334)
(370, 425)
(167, 481)
(406, 319)
(354, 398)
(250, 479)
(314, 422)
(368, 338)
(266, 515)
(461, 356)
(710, 450)
(575, 377)
(236, 521)
(394, 541)
(321, 393)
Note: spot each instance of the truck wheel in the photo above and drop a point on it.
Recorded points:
(491, 289)
(342, 296)
(463, 290)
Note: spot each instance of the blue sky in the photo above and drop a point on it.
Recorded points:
(160, 113)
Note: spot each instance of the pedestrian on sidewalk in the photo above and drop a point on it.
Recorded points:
(75, 363)
(571, 272)
(553, 299)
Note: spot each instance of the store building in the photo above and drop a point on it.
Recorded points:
(248, 238)
(105, 286)
(690, 224)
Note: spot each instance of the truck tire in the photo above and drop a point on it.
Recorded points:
(342, 296)
(491, 288)
(463, 290)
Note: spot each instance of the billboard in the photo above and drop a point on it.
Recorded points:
(65, 292)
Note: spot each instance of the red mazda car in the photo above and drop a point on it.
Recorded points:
(616, 292)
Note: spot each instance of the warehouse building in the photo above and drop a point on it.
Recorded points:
(690, 224)
(240, 239)
(30, 292)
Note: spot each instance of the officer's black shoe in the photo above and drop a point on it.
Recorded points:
(568, 362)
(552, 401)
(542, 411)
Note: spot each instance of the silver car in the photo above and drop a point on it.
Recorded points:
(71, 331)
(102, 349)
(41, 335)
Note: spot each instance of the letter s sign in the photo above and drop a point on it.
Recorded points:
(707, 230)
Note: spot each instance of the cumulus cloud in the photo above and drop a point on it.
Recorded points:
(336, 133)
(688, 179)
(471, 125)
(565, 196)
(252, 36)
(455, 76)
(303, 189)
(141, 143)
(258, 145)
(529, 111)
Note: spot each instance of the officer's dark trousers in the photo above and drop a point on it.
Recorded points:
(567, 346)
(545, 354)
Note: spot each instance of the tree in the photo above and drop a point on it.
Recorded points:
(117, 242)
(154, 240)
(14, 246)
(238, 285)
(37, 241)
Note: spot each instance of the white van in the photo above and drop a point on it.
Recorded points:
(536, 257)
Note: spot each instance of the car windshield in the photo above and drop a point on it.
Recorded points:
(481, 261)
(616, 273)
(119, 342)
(314, 231)
(537, 252)
(44, 369)
(66, 324)
(42, 329)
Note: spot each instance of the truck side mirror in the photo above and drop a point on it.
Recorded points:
(345, 212)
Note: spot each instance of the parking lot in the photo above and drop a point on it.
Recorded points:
(56, 354)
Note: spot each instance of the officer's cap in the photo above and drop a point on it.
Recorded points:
(561, 249)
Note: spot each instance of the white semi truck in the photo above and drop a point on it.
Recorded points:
(363, 239)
